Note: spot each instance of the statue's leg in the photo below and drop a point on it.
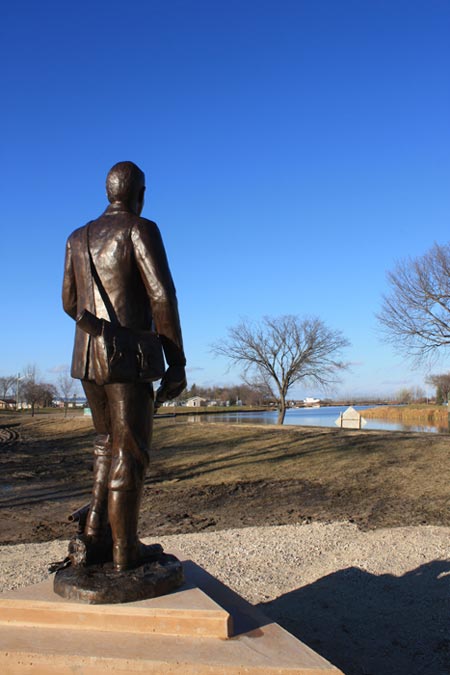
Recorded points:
(97, 519)
(131, 407)
(96, 528)
(124, 513)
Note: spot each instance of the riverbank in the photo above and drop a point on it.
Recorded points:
(208, 410)
(215, 477)
(340, 536)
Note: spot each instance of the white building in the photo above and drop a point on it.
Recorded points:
(195, 402)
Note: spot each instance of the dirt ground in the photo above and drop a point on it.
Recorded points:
(213, 477)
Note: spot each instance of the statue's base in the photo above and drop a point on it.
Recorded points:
(101, 584)
(186, 632)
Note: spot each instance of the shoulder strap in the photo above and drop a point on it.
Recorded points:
(94, 277)
(87, 266)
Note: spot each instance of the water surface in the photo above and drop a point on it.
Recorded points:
(309, 417)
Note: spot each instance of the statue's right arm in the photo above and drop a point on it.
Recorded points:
(69, 292)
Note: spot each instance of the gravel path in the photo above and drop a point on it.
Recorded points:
(373, 603)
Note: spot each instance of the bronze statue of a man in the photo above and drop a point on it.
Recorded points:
(116, 270)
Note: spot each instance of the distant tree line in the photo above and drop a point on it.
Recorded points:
(230, 394)
(29, 388)
(411, 395)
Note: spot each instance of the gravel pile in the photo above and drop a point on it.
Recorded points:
(373, 603)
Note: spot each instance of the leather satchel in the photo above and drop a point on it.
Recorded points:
(123, 354)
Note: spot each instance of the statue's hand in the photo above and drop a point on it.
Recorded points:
(172, 384)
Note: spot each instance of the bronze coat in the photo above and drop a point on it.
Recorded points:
(130, 259)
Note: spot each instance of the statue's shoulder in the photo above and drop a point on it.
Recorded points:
(144, 227)
(77, 234)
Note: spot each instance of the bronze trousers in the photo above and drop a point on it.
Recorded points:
(125, 412)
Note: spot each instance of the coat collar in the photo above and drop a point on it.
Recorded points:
(117, 207)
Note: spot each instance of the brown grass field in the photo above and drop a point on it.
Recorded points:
(215, 476)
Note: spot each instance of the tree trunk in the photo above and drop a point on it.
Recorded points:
(281, 411)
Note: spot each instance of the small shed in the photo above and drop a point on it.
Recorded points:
(351, 419)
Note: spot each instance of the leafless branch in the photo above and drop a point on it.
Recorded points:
(415, 315)
(283, 350)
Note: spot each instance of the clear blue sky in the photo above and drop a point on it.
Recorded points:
(294, 150)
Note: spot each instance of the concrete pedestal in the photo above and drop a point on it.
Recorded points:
(203, 628)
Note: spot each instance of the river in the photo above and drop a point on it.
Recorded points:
(309, 417)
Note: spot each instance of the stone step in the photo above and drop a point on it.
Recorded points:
(187, 632)
(188, 612)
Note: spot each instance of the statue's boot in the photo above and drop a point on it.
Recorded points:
(97, 532)
(128, 551)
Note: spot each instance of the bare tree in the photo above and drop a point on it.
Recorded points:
(279, 352)
(35, 392)
(30, 391)
(404, 395)
(415, 315)
(6, 383)
(30, 372)
(419, 394)
(442, 384)
(38, 393)
(67, 387)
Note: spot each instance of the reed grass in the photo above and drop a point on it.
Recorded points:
(420, 414)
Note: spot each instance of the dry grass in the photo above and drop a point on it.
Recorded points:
(407, 463)
(434, 415)
(412, 464)
(374, 478)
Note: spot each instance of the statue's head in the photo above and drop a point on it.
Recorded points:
(125, 183)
